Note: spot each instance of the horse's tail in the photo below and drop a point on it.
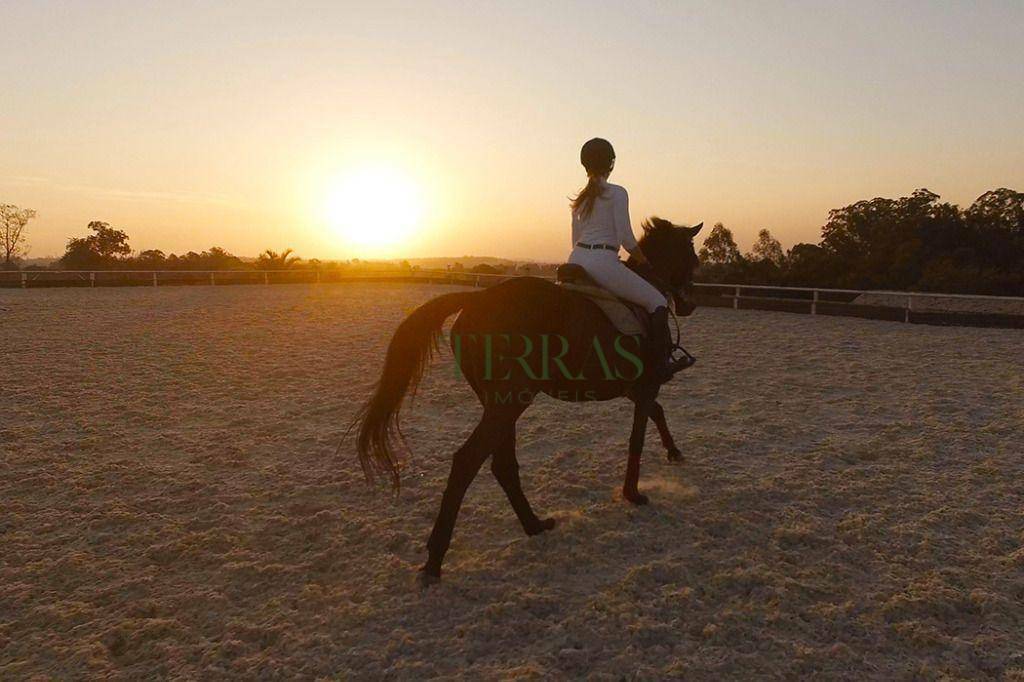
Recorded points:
(410, 351)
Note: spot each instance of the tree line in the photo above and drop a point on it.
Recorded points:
(912, 243)
(915, 243)
(107, 248)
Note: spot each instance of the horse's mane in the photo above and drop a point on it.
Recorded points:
(656, 231)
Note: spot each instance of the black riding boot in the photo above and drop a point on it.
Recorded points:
(660, 345)
(658, 340)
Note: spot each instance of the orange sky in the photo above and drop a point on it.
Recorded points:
(192, 124)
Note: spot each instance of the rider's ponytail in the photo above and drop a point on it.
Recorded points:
(583, 203)
(598, 157)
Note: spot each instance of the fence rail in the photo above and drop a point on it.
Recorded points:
(808, 300)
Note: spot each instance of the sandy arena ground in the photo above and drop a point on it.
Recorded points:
(1003, 306)
(851, 505)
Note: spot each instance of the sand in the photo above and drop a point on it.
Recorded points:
(171, 503)
(959, 304)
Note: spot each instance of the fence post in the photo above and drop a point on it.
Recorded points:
(266, 278)
(154, 278)
(318, 277)
(211, 279)
(92, 279)
(814, 304)
(736, 299)
(24, 280)
(910, 305)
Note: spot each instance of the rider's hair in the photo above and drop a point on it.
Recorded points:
(598, 157)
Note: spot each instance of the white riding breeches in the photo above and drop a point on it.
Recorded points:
(605, 268)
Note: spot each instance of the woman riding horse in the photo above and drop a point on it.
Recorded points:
(600, 225)
(527, 336)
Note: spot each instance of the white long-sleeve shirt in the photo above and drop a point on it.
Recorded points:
(608, 222)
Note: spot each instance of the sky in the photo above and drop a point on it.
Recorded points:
(448, 128)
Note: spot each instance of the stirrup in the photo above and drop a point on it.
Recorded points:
(679, 364)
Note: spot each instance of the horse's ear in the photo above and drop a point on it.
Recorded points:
(695, 230)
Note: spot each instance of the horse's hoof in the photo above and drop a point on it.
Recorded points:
(675, 455)
(635, 498)
(542, 525)
(425, 579)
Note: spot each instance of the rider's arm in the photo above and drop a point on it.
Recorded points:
(623, 229)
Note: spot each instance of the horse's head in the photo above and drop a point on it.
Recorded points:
(669, 248)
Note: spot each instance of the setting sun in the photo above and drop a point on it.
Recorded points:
(374, 207)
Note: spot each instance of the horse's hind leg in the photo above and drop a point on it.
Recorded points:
(505, 468)
(658, 416)
(465, 465)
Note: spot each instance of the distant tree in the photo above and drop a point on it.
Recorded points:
(767, 249)
(214, 259)
(877, 243)
(720, 258)
(151, 259)
(272, 260)
(106, 248)
(912, 242)
(809, 265)
(995, 223)
(763, 265)
(485, 269)
(12, 232)
(110, 243)
(719, 248)
(219, 259)
(999, 209)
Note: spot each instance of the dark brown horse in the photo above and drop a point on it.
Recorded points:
(512, 341)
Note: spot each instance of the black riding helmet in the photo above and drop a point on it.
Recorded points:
(597, 156)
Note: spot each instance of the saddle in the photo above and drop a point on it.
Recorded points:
(629, 318)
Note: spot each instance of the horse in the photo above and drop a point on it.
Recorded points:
(582, 357)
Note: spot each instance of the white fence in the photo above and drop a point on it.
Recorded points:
(901, 305)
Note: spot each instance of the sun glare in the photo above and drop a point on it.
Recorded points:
(374, 208)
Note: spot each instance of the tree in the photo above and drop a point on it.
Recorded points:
(767, 249)
(218, 258)
(1001, 209)
(877, 243)
(151, 259)
(485, 269)
(12, 232)
(720, 259)
(106, 248)
(995, 222)
(809, 265)
(719, 248)
(272, 260)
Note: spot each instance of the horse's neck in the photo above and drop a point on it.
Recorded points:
(646, 271)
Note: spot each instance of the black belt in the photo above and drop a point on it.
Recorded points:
(598, 246)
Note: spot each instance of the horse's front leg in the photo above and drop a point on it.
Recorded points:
(658, 417)
(642, 409)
